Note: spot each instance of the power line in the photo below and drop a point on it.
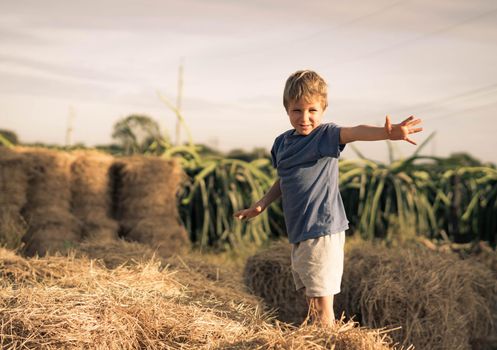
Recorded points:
(351, 21)
(419, 37)
(436, 103)
(376, 12)
(457, 113)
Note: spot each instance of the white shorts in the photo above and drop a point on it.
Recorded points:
(317, 265)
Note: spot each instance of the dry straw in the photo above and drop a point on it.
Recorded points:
(268, 274)
(123, 253)
(91, 200)
(440, 301)
(51, 226)
(75, 303)
(13, 189)
(145, 203)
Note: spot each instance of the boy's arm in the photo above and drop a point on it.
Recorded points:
(270, 196)
(390, 131)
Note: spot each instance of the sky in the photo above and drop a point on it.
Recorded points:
(87, 64)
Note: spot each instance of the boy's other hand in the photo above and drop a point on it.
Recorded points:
(248, 213)
(402, 130)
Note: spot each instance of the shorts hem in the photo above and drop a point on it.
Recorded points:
(317, 294)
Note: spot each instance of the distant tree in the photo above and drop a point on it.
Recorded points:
(113, 149)
(10, 136)
(136, 133)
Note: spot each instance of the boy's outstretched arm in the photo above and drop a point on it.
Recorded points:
(271, 195)
(389, 131)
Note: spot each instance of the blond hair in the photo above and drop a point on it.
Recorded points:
(305, 84)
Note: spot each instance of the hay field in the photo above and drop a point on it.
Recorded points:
(124, 274)
(97, 259)
(143, 302)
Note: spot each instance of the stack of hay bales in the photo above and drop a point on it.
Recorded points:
(13, 189)
(51, 226)
(440, 301)
(91, 201)
(145, 203)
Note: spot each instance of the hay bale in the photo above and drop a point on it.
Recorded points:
(145, 203)
(13, 179)
(146, 187)
(164, 234)
(75, 303)
(12, 227)
(440, 301)
(13, 189)
(49, 174)
(49, 241)
(91, 195)
(268, 275)
(51, 226)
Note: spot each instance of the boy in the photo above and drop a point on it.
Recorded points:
(306, 159)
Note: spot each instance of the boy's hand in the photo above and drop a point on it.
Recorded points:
(401, 131)
(248, 213)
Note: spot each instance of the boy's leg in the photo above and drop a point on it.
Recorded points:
(321, 310)
(317, 266)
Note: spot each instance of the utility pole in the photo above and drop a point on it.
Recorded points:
(69, 129)
(178, 102)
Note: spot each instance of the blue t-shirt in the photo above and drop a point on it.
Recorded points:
(308, 170)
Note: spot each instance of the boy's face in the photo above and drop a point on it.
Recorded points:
(305, 116)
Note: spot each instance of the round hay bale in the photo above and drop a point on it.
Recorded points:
(50, 216)
(43, 226)
(13, 189)
(268, 275)
(146, 186)
(12, 227)
(146, 205)
(49, 178)
(13, 179)
(98, 226)
(90, 182)
(164, 234)
(440, 301)
(91, 200)
(51, 226)
(49, 241)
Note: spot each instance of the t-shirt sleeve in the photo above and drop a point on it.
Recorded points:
(329, 143)
(273, 153)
